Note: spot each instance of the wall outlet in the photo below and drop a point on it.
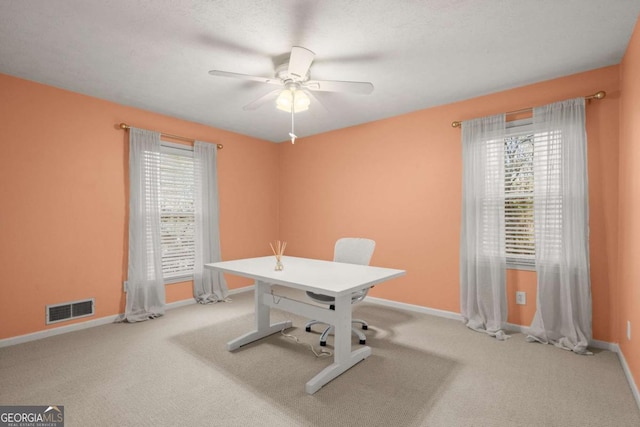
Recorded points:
(629, 330)
(521, 298)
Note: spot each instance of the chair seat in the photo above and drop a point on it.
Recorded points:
(326, 299)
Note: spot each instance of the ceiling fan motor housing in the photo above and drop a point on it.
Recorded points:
(282, 72)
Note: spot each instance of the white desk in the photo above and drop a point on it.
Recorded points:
(324, 277)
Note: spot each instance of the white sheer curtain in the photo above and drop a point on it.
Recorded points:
(145, 288)
(208, 286)
(561, 222)
(482, 250)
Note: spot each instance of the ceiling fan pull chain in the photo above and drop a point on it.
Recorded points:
(293, 103)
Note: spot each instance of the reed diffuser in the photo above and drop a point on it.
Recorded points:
(278, 251)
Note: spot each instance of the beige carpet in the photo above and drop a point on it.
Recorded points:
(424, 371)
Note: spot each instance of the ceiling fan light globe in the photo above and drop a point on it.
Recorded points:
(286, 99)
(302, 101)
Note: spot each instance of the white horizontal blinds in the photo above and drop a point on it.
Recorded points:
(548, 191)
(177, 214)
(493, 200)
(518, 202)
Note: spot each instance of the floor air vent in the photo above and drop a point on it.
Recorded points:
(70, 310)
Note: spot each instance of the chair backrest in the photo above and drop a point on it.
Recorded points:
(354, 250)
(350, 250)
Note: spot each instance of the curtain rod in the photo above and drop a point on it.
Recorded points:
(168, 135)
(598, 95)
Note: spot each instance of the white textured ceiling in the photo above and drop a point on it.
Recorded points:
(155, 54)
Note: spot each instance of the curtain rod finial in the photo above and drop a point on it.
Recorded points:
(456, 124)
(600, 95)
(124, 126)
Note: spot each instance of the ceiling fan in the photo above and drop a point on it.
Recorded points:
(295, 78)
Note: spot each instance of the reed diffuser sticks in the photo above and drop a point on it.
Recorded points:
(278, 251)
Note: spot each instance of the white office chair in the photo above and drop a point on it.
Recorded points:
(351, 250)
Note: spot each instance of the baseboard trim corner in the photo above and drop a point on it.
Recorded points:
(628, 374)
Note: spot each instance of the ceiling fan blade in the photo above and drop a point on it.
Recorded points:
(270, 96)
(364, 88)
(245, 77)
(300, 61)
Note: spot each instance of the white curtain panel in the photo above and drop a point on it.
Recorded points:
(561, 222)
(482, 248)
(145, 288)
(208, 286)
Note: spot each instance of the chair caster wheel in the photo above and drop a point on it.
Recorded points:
(363, 342)
(308, 329)
(365, 327)
(323, 343)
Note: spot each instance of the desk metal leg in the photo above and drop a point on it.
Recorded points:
(343, 357)
(263, 324)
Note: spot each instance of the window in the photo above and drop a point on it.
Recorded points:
(177, 212)
(517, 149)
(518, 188)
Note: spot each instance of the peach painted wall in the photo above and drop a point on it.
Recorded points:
(629, 240)
(63, 186)
(63, 170)
(398, 181)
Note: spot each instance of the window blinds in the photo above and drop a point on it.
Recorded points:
(177, 214)
(518, 185)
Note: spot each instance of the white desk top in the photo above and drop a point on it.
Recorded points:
(325, 277)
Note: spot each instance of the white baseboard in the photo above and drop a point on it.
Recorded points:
(77, 326)
(6, 342)
(400, 305)
(417, 308)
(241, 290)
(603, 345)
(627, 372)
(57, 331)
(180, 303)
(524, 330)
